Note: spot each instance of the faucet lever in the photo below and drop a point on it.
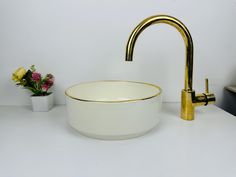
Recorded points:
(203, 99)
(206, 86)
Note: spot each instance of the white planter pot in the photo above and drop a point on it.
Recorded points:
(42, 103)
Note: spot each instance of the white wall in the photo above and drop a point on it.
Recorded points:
(84, 40)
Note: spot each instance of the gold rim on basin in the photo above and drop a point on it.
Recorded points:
(120, 101)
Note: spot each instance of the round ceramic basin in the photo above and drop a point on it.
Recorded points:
(113, 109)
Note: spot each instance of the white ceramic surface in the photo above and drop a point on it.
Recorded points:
(39, 145)
(113, 109)
(42, 103)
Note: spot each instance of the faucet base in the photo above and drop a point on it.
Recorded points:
(187, 108)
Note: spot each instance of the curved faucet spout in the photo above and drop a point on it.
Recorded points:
(188, 97)
(183, 31)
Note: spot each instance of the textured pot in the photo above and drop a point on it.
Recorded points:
(42, 103)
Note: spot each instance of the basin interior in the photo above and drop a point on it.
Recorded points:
(113, 91)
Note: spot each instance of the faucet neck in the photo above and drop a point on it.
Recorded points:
(184, 33)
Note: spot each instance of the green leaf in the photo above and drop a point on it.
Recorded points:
(32, 68)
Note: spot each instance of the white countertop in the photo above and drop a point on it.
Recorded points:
(43, 145)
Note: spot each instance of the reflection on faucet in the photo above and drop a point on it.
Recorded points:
(188, 97)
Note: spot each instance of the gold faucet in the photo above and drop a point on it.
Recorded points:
(188, 97)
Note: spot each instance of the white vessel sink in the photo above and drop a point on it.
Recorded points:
(113, 109)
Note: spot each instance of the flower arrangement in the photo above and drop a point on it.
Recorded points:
(33, 81)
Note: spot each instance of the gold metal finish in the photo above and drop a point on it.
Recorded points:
(120, 101)
(206, 86)
(188, 97)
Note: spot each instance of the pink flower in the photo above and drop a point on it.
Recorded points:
(50, 76)
(45, 87)
(36, 76)
(49, 82)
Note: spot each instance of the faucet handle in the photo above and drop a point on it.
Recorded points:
(206, 86)
(209, 97)
(204, 98)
